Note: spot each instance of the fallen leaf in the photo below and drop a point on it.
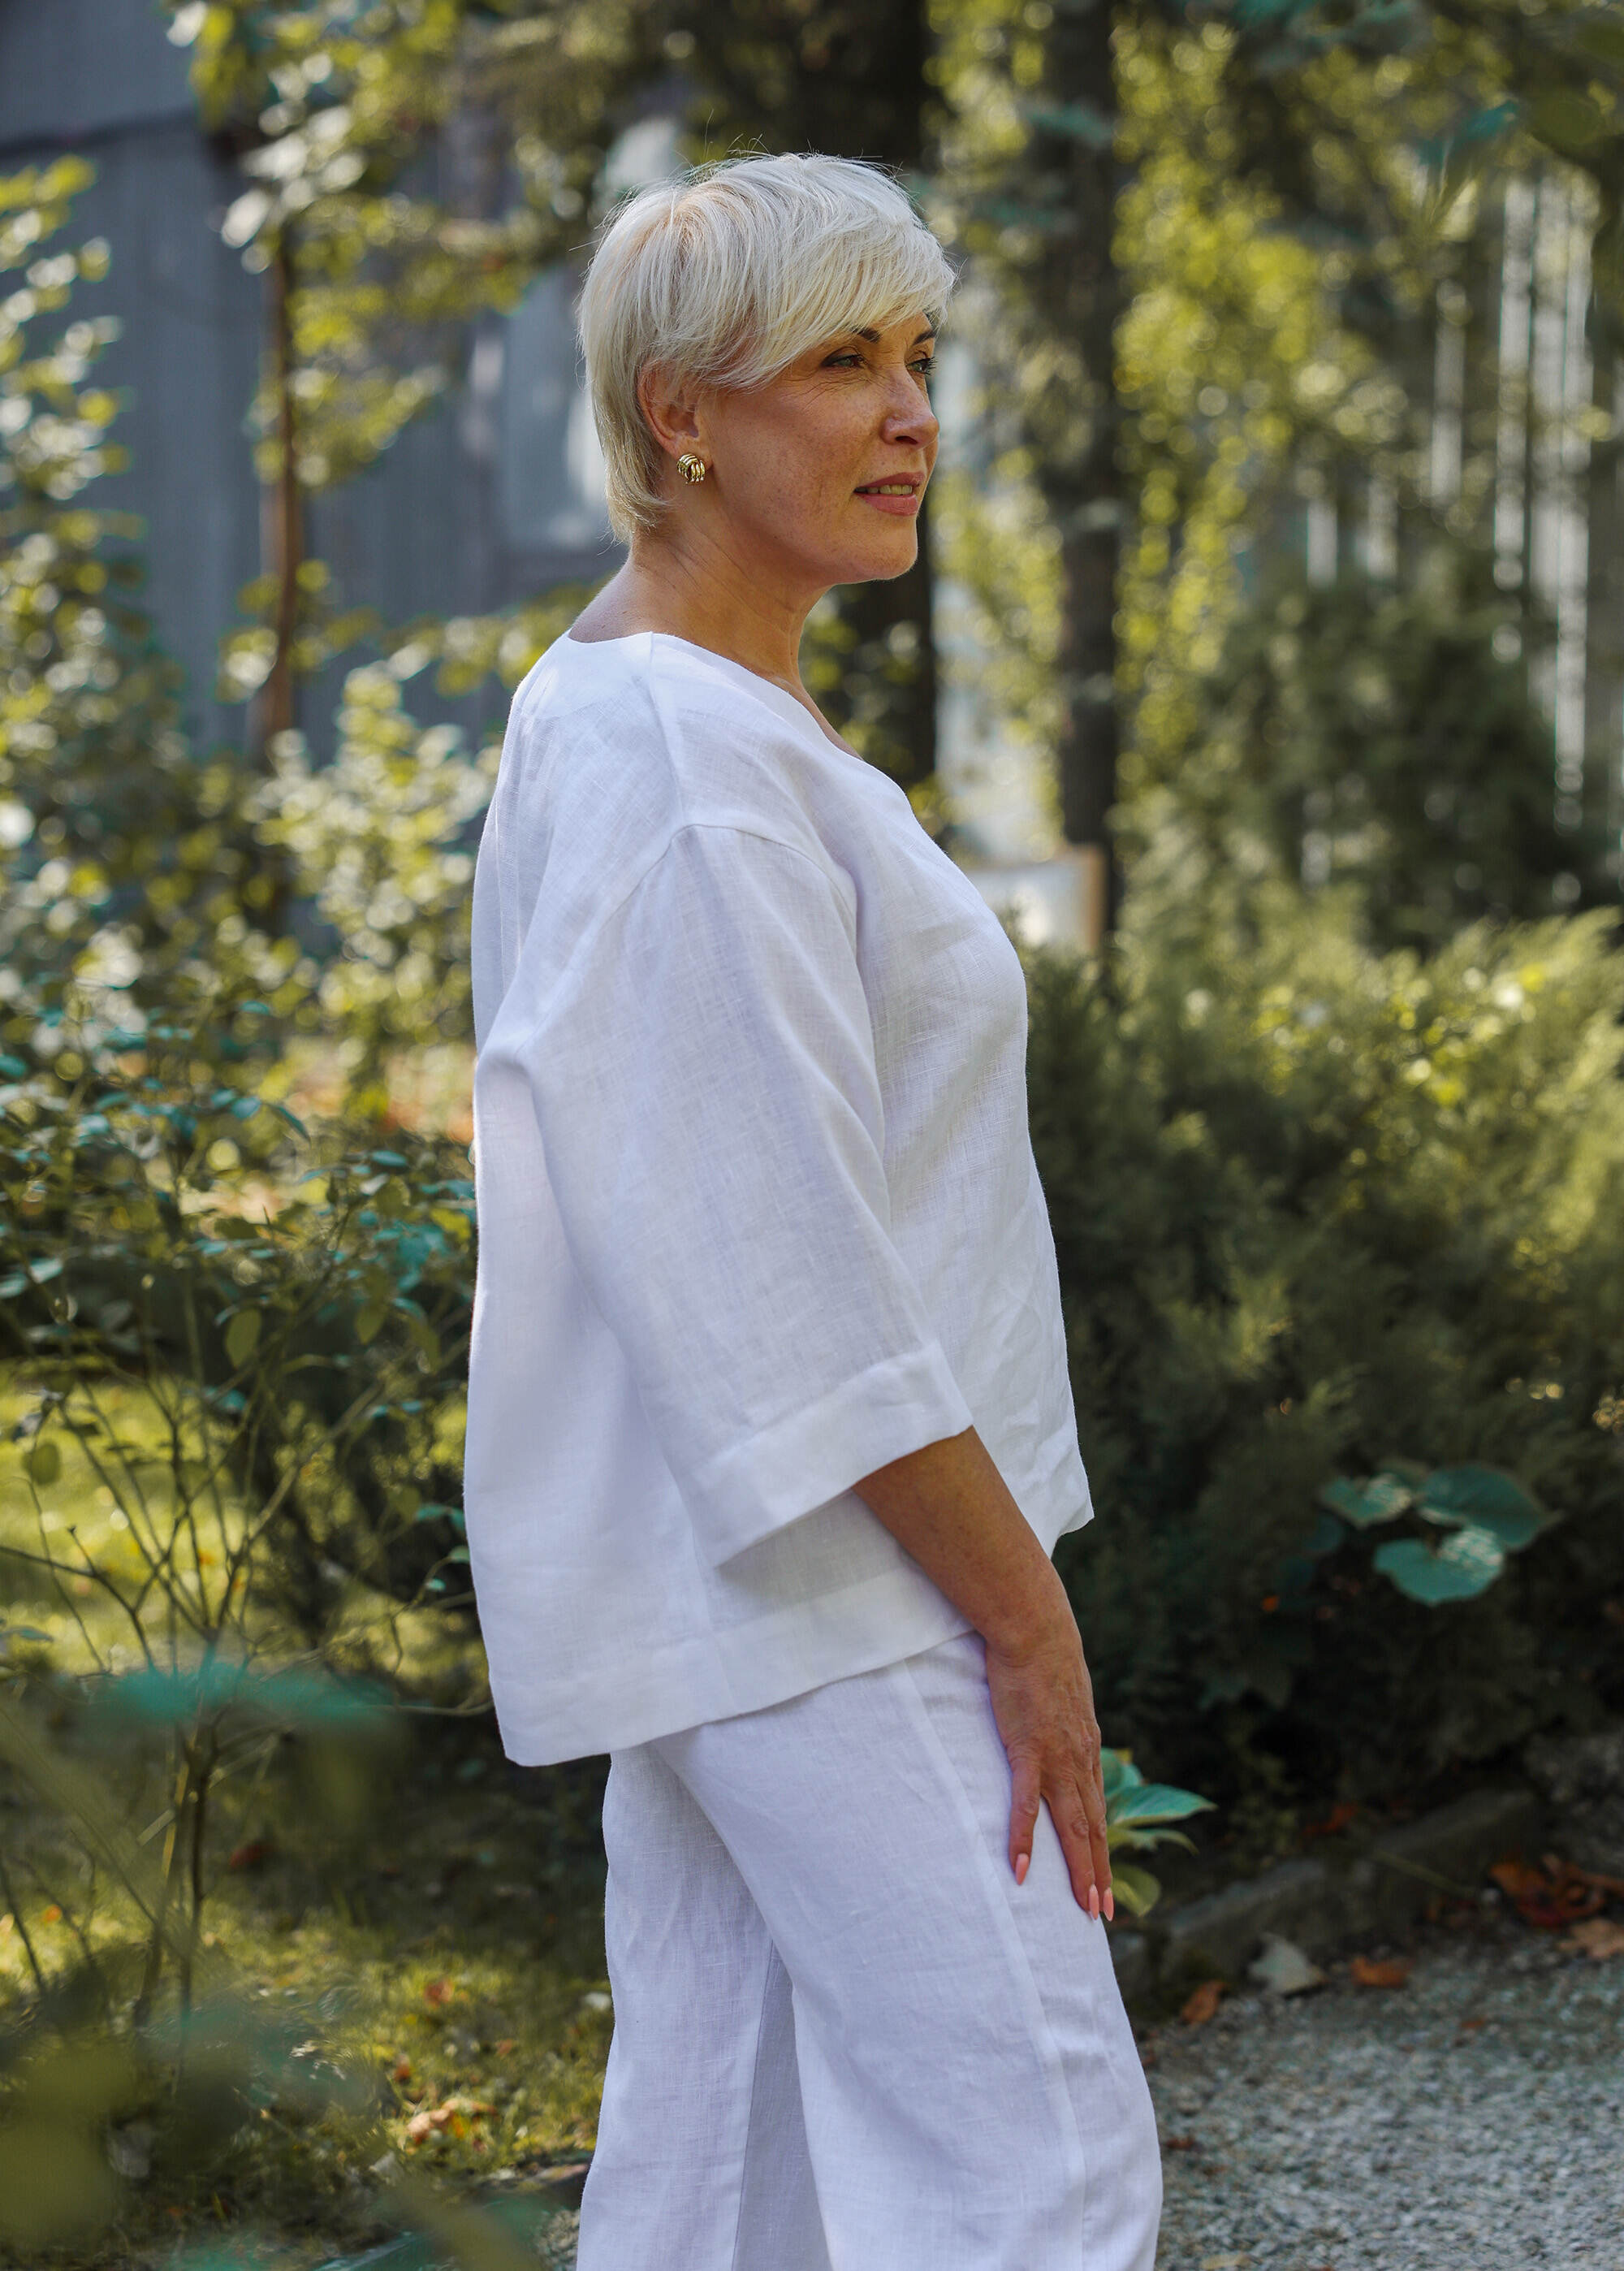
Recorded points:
(438, 1990)
(1200, 2006)
(1550, 1898)
(1587, 1876)
(400, 2071)
(1369, 1971)
(1335, 1821)
(507, 2045)
(51, 1914)
(1470, 2026)
(1598, 1938)
(454, 2115)
(253, 1855)
(1283, 1968)
(1180, 2144)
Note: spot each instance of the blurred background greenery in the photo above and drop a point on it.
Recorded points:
(1273, 576)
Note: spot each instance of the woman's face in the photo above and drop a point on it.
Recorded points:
(817, 475)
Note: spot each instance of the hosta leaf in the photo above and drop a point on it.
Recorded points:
(1136, 1889)
(1118, 1772)
(1155, 1801)
(1383, 1499)
(1484, 1497)
(1466, 1564)
(1144, 1840)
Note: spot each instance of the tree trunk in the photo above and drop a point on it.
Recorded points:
(282, 509)
(1079, 300)
(1603, 777)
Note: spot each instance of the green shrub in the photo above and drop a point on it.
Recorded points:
(1385, 740)
(1313, 1209)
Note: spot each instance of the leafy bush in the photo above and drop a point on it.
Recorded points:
(1311, 1206)
(1385, 740)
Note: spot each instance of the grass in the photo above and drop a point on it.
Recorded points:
(414, 1929)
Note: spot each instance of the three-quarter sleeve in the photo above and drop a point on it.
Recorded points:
(704, 1081)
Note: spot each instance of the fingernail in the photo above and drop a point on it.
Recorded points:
(1023, 1862)
(1110, 1908)
(1093, 1903)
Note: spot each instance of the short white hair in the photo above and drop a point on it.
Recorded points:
(725, 275)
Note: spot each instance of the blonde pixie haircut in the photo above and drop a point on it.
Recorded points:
(725, 275)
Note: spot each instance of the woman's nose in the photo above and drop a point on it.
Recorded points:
(911, 418)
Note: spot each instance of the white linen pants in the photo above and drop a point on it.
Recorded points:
(845, 2038)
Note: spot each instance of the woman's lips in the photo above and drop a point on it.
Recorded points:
(896, 497)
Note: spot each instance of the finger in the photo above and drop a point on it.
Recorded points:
(1022, 1815)
(1070, 1821)
(1099, 1840)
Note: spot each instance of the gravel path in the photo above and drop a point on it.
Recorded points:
(1470, 2120)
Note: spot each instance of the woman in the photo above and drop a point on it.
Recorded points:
(770, 1434)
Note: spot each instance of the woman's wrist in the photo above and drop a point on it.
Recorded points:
(949, 1506)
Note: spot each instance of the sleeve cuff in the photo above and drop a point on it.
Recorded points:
(819, 1451)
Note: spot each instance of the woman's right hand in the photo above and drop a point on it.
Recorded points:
(948, 1506)
(1043, 1700)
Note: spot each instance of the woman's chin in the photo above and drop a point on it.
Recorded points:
(889, 550)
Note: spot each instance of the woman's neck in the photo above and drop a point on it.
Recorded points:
(697, 593)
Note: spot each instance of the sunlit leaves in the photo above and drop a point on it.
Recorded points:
(379, 839)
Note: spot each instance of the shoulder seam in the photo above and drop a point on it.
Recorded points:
(719, 828)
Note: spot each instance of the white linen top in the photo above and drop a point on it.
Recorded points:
(757, 1203)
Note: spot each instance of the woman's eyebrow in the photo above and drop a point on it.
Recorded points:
(861, 332)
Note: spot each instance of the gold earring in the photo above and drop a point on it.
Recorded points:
(691, 468)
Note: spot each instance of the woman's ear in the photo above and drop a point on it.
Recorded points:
(672, 412)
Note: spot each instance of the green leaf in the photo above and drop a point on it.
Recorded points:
(1155, 1801)
(1486, 1498)
(1136, 1889)
(43, 1463)
(289, 1696)
(1564, 121)
(1466, 1564)
(369, 1322)
(1383, 1499)
(1142, 1841)
(242, 1336)
(1118, 1772)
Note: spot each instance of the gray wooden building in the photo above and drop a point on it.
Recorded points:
(486, 501)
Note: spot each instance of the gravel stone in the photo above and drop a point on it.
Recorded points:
(1470, 2120)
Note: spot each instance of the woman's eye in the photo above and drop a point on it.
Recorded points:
(846, 354)
(927, 368)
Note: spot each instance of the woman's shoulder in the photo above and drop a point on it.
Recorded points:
(641, 735)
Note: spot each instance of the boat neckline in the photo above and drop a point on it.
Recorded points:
(803, 716)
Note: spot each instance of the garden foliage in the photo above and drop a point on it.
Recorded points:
(1317, 1211)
